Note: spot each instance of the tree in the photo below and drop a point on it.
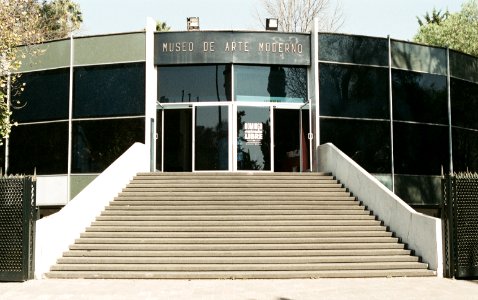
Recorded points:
(457, 30)
(298, 15)
(28, 23)
(436, 17)
(162, 26)
(19, 25)
(59, 18)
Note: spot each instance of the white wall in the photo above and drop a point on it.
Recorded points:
(422, 233)
(55, 233)
(52, 190)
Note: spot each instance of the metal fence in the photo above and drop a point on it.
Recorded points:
(17, 227)
(460, 224)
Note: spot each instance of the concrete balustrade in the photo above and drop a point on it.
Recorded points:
(422, 233)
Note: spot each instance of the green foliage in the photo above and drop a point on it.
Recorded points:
(26, 23)
(59, 18)
(458, 31)
(436, 17)
(162, 26)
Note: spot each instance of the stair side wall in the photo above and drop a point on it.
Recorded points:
(55, 233)
(422, 233)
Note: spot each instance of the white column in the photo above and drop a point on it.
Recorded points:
(150, 93)
(314, 94)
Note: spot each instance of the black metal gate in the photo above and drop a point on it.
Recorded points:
(17, 227)
(460, 224)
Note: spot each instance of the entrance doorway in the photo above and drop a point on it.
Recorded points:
(232, 137)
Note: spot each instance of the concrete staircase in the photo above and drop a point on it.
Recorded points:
(236, 225)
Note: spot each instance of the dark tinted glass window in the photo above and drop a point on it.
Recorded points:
(211, 136)
(270, 84)
(419, 97)
(354, 91)
(420, 149)
(45, 96)
(194, 83)
(40, 146)
(463, 66)
(465, 150)
(366, 142)
(464, 103)
(97, 144)
(113, 90)
(415, 57)
(353, 49)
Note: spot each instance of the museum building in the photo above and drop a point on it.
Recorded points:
(234, 101)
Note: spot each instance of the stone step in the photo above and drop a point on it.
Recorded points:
(234, 217)
(235, 175)
(280, 228)
(245, 197)
(227, 180)
(138, 211)
(242, 275)
(236, 253)
(232, 247)
(108, 234)
(237, 208)
(238, 192)
(237, 260)
(238, 224)
(261, 240)
(233, 203)
(241, 267)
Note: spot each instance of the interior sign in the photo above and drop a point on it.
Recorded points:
(253, 133)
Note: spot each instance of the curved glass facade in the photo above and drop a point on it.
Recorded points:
(232, 101)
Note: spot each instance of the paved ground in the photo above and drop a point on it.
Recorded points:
(381, 288)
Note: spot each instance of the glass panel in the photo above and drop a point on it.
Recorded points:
(421, 58)
(178, 140)
(270, 84)
(419, 190)
(43, 147)
(286, 140)
(353, 49)
(464, 103)
(97, 144)
(54, 54)
(354, 91)
(194, 83)
(212, 139)
(420, 149)
(103, 49)
(463, 66)
(45, 96)
(465, 150)
(253, 138)
(305, 142)
(112, 90)
(420, 97)
(366, 142)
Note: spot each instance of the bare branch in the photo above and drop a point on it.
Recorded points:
(298, 15)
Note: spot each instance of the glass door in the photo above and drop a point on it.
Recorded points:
(176, 139)
(253, 138)
(211, 138)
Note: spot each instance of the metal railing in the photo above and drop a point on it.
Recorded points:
(460, 224)
(17, 227)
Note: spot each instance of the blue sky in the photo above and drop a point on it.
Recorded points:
(396, 18)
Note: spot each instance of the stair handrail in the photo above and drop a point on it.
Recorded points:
(420, 232)
(55, 233)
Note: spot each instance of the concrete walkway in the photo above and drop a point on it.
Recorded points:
(380, 288)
